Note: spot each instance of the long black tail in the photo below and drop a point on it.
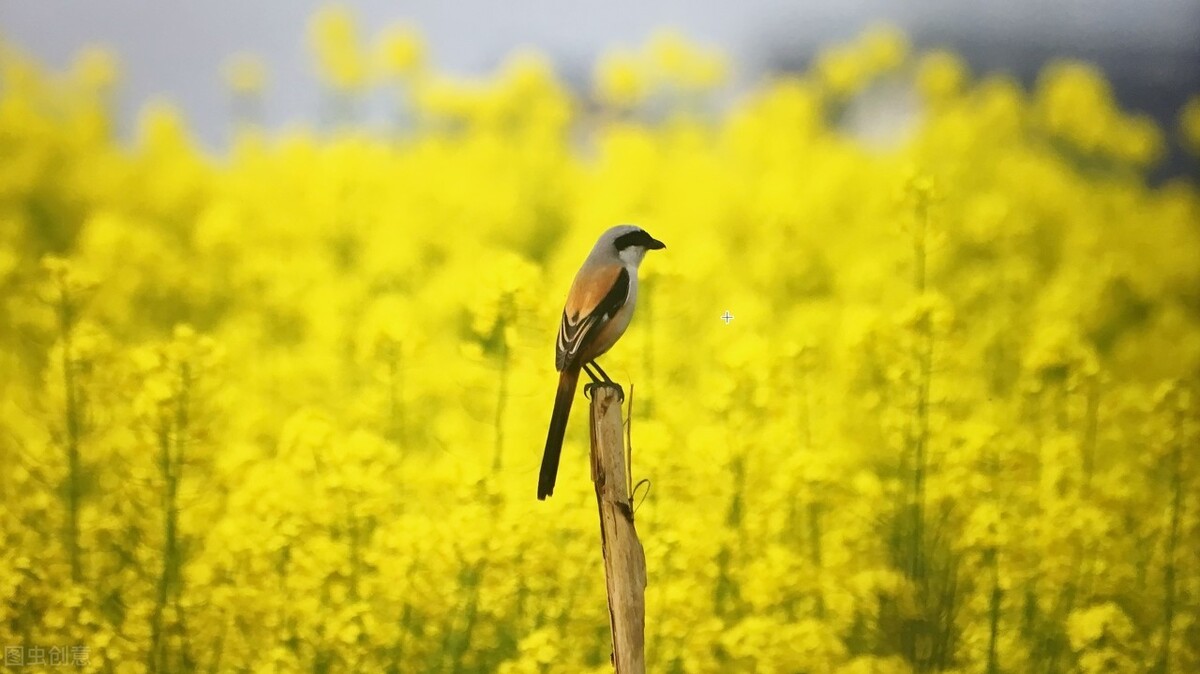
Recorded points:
(558, 428)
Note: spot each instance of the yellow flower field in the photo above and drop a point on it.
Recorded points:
(281, 409)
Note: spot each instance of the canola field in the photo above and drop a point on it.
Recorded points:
(280, 408)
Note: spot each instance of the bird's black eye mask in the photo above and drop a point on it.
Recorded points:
(638, 237)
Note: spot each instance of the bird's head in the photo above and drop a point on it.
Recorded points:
(629, 243)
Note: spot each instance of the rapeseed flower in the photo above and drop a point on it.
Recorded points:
(280, 410)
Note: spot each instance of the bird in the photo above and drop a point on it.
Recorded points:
(598, 310)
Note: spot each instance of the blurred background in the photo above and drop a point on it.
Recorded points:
(1150, 50)
(279, 283)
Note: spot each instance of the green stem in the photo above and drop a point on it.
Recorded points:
(1090, 431)
(170, 579)
(925, 358)
(501, 402)
(725, 594)
(1172, 542)
(157, 660)
(814, 508)
(74, 422)
(921, 658)
(920, 444)
(993, 661)
(814, 536)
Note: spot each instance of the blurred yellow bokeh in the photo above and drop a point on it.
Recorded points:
(282, 410)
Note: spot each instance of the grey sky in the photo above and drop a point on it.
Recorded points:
(175, 49)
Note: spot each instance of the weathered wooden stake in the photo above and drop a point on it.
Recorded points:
(624, 559)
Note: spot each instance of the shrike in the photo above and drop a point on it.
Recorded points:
(598, 310)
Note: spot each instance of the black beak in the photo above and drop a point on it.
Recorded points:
(655, 244)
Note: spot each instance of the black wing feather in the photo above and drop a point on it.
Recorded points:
(573, 337)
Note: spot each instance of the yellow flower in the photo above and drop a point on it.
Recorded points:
(886, 47)
(96, 68)
(301, 385)
(333, 35)
(685, 65)
(161, 127)
(842, 70)
(400, 51)
(1086, 627)
(1138, 141)
(1076, 102)
(940, 75)
(621, 79)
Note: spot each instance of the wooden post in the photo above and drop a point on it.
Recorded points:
(624, 559)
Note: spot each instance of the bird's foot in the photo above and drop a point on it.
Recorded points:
(588, 388)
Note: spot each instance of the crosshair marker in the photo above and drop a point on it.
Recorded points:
(727, 317)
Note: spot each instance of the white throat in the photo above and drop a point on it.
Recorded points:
(632, 256)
